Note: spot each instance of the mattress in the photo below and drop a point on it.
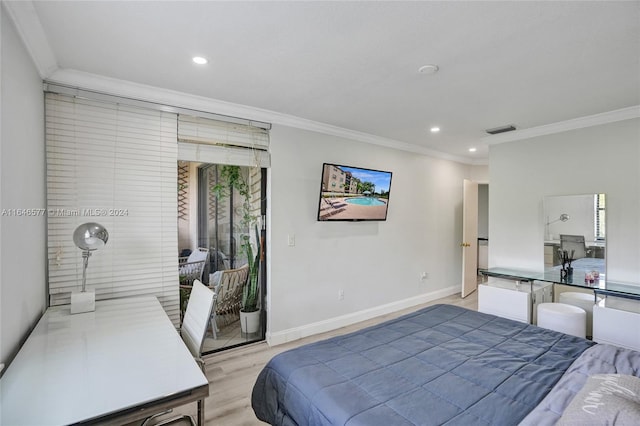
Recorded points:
(440, 365)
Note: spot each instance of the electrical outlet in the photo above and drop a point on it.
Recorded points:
(424, 276)
(341, 294)
(291, 240)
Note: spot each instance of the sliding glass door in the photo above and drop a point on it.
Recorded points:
(222, 210)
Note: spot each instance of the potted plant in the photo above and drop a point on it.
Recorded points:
(250, 310)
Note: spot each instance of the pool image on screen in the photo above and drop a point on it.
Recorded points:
(353, 193)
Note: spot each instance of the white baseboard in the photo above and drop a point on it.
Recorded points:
(284, 336)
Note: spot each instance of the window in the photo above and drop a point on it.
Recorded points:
(116, 165)
(599, 216)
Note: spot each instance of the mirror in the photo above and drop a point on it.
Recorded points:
(575, 223)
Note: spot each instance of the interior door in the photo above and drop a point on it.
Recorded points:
(469, 238)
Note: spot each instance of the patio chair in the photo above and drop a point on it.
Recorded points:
(228, 291)
(330, 203)
(192, 268)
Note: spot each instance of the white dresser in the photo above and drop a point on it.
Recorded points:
(616, 318)
(616, 321)
(513, 299)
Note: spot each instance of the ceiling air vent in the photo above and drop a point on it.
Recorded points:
(496, 130)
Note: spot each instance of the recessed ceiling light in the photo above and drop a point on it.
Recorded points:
(435, 129)
(200, 60)
(428, 69)
(472, 149)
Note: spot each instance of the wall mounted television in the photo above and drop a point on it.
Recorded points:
(353, 193)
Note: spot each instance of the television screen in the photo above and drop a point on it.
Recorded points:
(353, 194)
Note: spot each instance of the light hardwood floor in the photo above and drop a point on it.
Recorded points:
(232, 373)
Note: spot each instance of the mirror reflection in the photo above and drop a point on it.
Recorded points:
(575, 223)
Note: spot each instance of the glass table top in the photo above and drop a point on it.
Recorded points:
(577, 279)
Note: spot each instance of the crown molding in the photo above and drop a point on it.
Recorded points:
(563, 126)
(158, 95)
(26, 21)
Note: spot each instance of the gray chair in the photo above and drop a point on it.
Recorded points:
(575, 243)
(193, 329)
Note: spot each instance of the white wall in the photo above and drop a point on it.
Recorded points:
(22, 156)
(603, 158)
(375, 263)
(479, 174)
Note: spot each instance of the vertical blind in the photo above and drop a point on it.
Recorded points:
(116, 165)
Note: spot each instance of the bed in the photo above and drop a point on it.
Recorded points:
(439, 365)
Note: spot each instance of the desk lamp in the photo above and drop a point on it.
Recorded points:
(88, 237)
(563, 218)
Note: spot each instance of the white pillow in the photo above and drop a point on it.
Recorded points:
(214, 279)
(197, 256)
(605, 399)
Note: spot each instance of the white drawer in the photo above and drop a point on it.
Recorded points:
(620, 327)
(504, 302)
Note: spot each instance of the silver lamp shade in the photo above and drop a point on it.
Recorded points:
(563, 218)
(89, 237)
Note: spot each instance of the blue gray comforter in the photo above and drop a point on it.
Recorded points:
(440, 365)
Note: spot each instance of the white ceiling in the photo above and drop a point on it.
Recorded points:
(355, 64)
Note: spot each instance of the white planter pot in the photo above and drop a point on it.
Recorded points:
(250, 321)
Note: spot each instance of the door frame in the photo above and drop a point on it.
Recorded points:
(469, 242)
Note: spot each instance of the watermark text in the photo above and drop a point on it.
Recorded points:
(84, 212)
